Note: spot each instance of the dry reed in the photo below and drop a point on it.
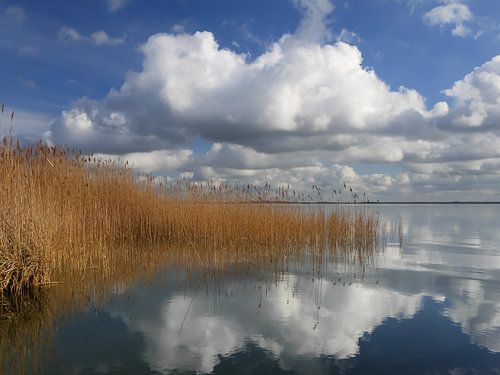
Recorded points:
(62, 212)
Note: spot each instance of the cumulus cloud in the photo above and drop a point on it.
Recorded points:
(294, 91)
(303, 108)
(98, 38)
(453, 13)
(477, 97)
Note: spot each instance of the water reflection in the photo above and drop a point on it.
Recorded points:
(456, 250)
(432, 306)
(288, 322)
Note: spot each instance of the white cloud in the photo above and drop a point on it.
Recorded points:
(452, 13)
(154, 161)
(477, 97)
(98, 38)
(297, 94)
(300, 111)
(295, 90)
(115, 5)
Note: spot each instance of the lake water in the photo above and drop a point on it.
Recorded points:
(431, 306)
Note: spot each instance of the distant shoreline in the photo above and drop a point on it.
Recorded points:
(382, 203)
(449, 202)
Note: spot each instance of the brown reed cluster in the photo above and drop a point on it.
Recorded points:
(63, 212)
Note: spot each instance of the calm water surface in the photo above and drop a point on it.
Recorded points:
(430, 307)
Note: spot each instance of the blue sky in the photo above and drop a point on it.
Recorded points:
(66, 56)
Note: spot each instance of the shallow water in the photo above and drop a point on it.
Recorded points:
(430, 306)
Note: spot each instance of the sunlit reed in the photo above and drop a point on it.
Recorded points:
(63, 212)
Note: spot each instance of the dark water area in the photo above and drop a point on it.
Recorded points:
(430, 306)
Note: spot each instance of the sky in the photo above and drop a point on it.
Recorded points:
(398, 98)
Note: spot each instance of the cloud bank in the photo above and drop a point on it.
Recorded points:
(302, 111)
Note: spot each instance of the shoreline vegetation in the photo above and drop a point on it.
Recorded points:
(63, 212)
(75, 228)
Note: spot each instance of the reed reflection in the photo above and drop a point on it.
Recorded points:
(28, 328)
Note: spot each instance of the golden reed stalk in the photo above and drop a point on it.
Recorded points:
(62, 212)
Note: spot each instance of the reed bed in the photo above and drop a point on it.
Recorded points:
(63, 213)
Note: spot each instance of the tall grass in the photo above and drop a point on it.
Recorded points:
(62, 212)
